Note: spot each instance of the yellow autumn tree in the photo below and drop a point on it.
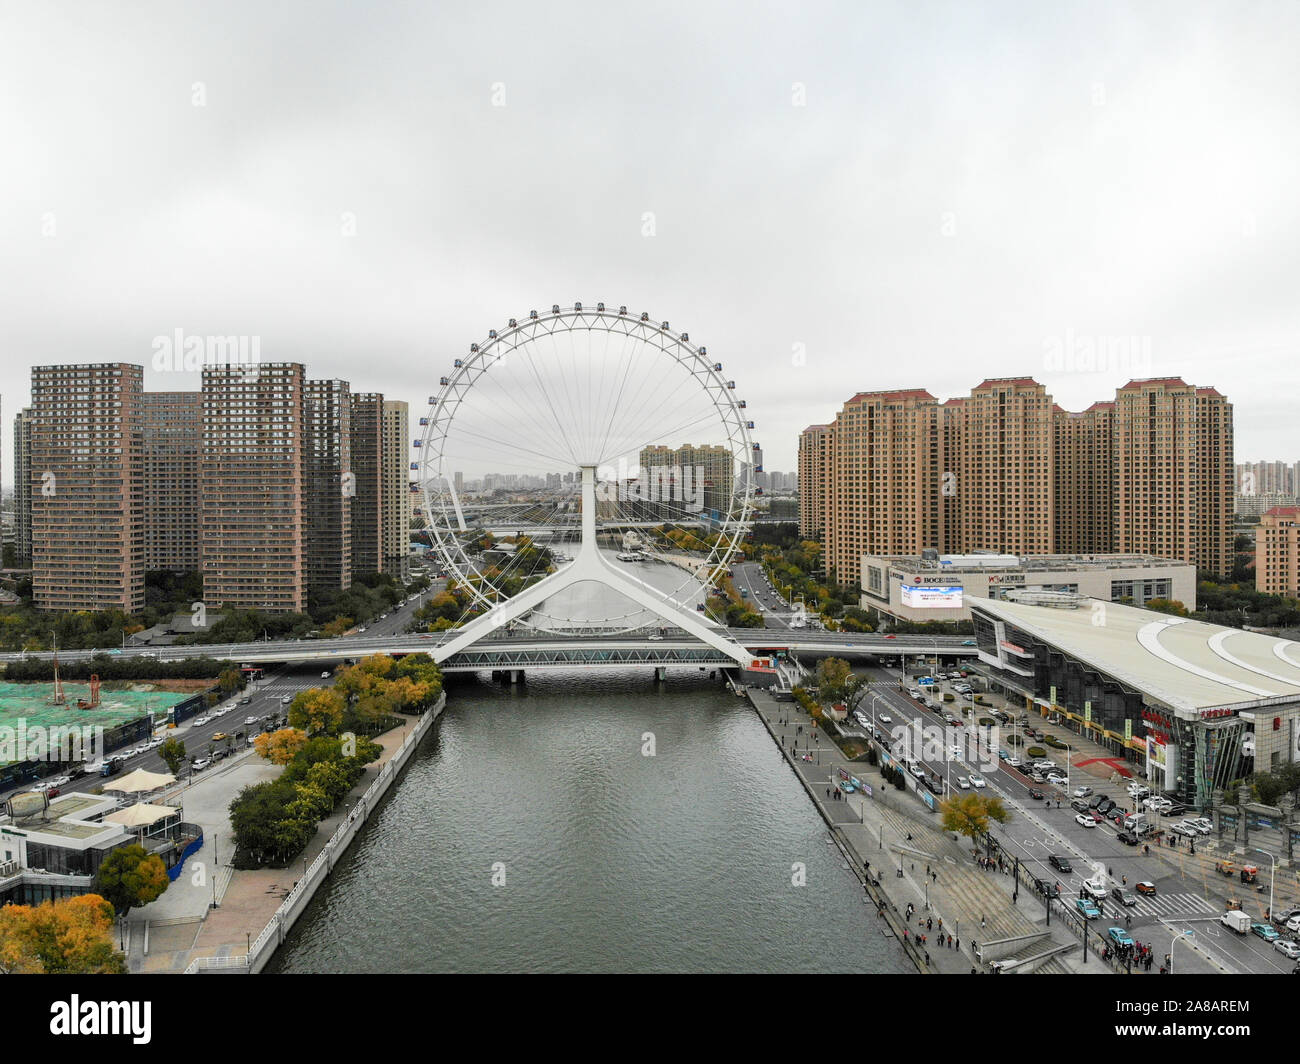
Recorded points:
(317, 711)
(279, 747)
(71, 936)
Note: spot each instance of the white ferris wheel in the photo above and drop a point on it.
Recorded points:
(586, 469)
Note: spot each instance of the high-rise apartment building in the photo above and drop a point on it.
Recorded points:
(1084, 480)
(252, 487)
(172, 435)
(367, 417)
(328, 485)
(814, 468)
(88, 550)
(1174, 473)
(1277, 552)
(1004, 470)
(395, 502)
(23, 488)
(690, 478)
(1005, 481)
(884, 478)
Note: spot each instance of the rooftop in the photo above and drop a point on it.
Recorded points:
(1183, 664)
(974, 563)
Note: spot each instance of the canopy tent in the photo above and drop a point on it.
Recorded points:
(140, 815)
(140, 781)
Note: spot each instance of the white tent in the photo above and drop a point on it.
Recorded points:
(140, 815)
(140, 781)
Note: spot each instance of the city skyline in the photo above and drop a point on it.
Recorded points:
(877, 220)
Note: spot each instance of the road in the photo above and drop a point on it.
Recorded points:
(1038, 830)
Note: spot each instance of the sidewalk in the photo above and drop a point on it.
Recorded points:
(186, 928)
(877, 830)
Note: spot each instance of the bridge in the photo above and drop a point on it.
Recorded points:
(539, 650)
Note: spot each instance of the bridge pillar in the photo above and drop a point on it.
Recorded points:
(661, 673)
(516, 676)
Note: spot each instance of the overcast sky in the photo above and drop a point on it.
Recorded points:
(832, 197)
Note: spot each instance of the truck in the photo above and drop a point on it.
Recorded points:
(1236, 920)
(111, 766)
(1136, 823)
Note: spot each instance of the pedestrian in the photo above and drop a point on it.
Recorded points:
(981, 923)
(958, 946)
(941, 923)
(929, 923)
(927, 956)
(904, 934)
(1124, 880)
(934, 876)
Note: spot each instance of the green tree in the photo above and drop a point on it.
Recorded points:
(318, 710)
(129, 877)
(173, 753)
(835, 680)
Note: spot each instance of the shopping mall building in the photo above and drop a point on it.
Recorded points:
(1183, 702)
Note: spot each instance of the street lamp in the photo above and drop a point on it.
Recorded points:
(1271, 874)
(1179, 936)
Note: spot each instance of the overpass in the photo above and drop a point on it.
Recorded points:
(534, 650)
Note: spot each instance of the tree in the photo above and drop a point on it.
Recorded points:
(129, 877)
(969, 814)
(835, 680)
(173, 753)
(71, 936)
(318, 710)
(280, 747)
(229, 681)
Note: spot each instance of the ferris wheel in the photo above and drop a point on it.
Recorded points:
(595, 400)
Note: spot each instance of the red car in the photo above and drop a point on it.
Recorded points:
(891, 637)
(1096, 816)
(1037, 795)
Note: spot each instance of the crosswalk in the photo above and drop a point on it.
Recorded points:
(1173, 905)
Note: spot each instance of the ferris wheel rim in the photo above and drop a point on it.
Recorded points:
(521, 334)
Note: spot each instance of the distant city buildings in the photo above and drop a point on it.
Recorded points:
(1261, 486)
(1005, 470)
(260, 481)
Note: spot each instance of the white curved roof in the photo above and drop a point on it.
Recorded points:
(1185, 664)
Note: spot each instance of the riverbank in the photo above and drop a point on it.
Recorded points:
(256, 907)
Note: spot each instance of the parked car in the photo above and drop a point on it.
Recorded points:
(1061, 864)
(1035, 794)
(1127, 838)
(196, 722)
(1079, 805)
(1096, 800)
(200, 764)
(1265, 931)
(250, 720)
(1288, 948)
(1105, 806)
(1084, 821)
(1081, 792)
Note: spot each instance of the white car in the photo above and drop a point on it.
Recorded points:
(200, 764)
(1293, 924)
(1204, 823)
(200, 720)
(977, 781)
(325, 675)
(1084, 821)
(250, 721)
(286, 700)
(861, 718)
(885, 718)
(1288, 948)
(1056, 777)
(963, 783)
(1014, 761)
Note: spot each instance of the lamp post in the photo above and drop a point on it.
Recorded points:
(1271, 874)
(1178, 936)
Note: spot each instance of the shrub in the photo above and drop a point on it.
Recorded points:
(1012, 739)
(1036, 751)
(1053, 741)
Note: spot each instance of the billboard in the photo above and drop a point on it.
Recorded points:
(937, 597)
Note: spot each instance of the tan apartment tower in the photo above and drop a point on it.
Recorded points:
(884, 479)
(1005, 483)
(1174, 473)
(252, 487)
(814, 465)
(172, 435)
(1084, 479)
(87, 508)
(1277, 552)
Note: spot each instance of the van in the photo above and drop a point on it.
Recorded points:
(1236, 920)
(1134, 821)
